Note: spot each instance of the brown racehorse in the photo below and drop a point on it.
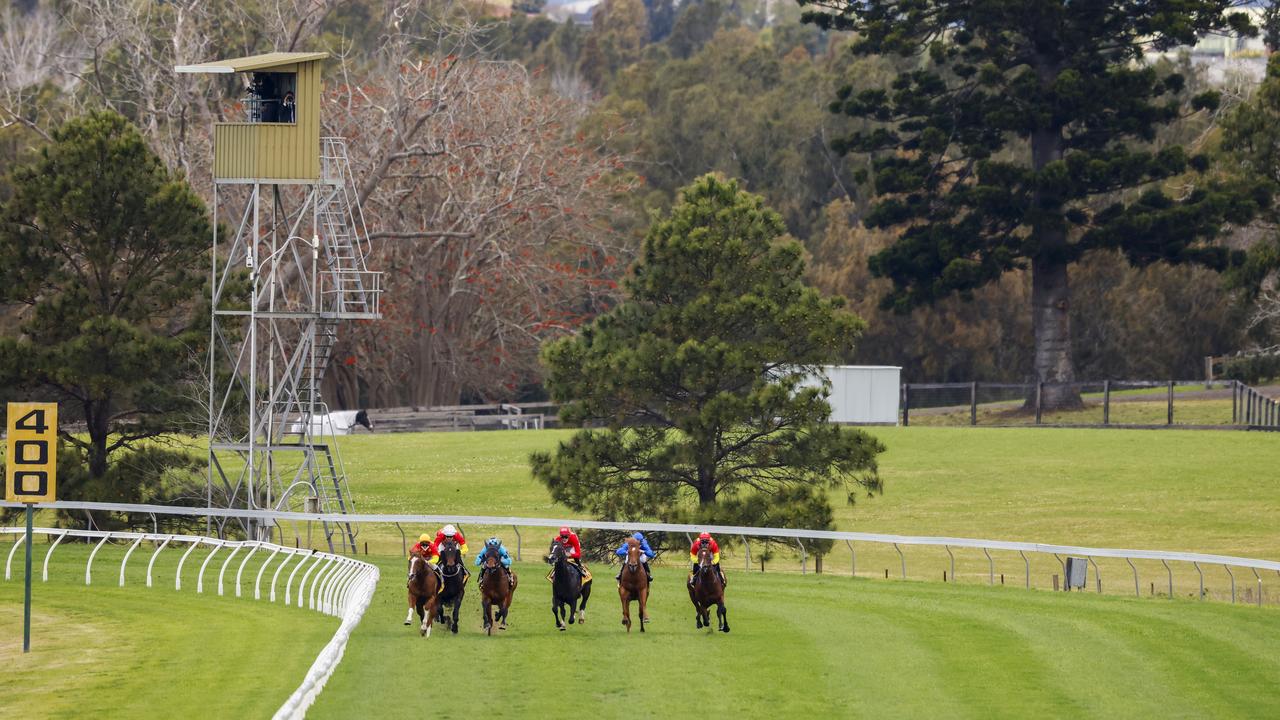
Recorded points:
(633, 584)
(708, 590)
(424, 595)
(496, 592)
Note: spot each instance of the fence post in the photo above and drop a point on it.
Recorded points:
(1039, 396)
(906, 404)
(1170, 403)
(1235, 392)
(973, 403)
(1106, 402)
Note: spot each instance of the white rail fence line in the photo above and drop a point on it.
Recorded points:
(343, 587)
(1227, 562)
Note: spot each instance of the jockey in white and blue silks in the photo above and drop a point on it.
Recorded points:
(649, 554)
(494, 546)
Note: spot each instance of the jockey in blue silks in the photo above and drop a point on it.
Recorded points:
(494, 546)
(649, 554)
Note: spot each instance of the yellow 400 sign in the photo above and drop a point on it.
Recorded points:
(31, 467)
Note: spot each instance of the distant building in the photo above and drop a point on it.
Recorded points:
(580, 12)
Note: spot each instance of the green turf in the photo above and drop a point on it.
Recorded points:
(108, 652)
(1178, 490)
(805, 647)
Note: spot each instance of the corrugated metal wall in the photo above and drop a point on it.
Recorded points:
(275, 151)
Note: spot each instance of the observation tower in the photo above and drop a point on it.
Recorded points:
(291, 268)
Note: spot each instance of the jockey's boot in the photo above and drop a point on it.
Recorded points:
(693, 572)
(723, 582)
(480, 578)
(511, 579)
(647, 573)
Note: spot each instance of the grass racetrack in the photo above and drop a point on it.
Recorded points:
(801, 646)
(104, 651)
(809, 647)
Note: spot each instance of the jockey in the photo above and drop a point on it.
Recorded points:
(494, 546)
(705, 539)
(644, 547)
(573, 550)
(422, 547)
(449, 532)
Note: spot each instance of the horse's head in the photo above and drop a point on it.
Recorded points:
(556, 553)
(416, 565)
(491, 559)
(449, 552)
(635, 554)
(705, 557)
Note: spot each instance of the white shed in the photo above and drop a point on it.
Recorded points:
(864, 394)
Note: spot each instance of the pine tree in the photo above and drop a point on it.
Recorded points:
(1008, 143)
(697, 378)
(107, 252)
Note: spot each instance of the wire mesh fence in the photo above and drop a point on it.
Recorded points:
(1131, 403)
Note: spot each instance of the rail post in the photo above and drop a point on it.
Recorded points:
(1027, 563)
(1233, 582)
(1259, 579)
(853, 559)
(1134, 568)
(1106, 402)
(1097, 575)
(1235, 395)
(991, 566)
(804, 558)
(516, 530)
(1170, 574)
(746, 550)
(1201, 572)
(1039, 400)
(973, 403)
(953, 562)
(1170, 422)
(54, 546)
(903, 559)
(906, 404)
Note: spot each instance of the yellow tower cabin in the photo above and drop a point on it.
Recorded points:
(293, 271)
(279, 139)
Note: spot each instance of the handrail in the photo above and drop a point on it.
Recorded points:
(348, 601)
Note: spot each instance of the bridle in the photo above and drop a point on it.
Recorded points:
(704, 559)
(635, 552)
(451, 552)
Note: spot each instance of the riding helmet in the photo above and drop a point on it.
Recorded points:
(424, 538)
(449, 531)
(564, 531)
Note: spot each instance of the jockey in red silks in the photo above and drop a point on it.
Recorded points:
(449, 532)
(705, 539)
(422, 548)
(573, 551)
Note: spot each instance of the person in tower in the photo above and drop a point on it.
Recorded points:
(573, 550)
(705, 539)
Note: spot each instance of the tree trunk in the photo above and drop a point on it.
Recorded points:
(1050, 292)
(1051, 318)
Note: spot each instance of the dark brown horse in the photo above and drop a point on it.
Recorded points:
(568, 592)
(455, 581)
(496, 592)
(708, 590)
(424, 592)
(633, 584)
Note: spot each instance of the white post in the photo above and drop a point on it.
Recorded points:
(49, 553)
(127, 553)
(155, 555)
(88, 566)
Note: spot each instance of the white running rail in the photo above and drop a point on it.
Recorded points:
(343, 586)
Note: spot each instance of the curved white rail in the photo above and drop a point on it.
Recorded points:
(343, 587)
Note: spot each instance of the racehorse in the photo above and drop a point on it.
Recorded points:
(708, 590)
(566, 587)
(496, 593)
(424, 593)
(455, 580)
(633, 584)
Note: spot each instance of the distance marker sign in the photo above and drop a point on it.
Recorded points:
(31, 460)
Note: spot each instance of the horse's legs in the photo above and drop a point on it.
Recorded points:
(723, 615)
(486, 612)
(697, 612)
(557, 613)
(626, 608)
(644, 603)
(457, 605)
(412, 598)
